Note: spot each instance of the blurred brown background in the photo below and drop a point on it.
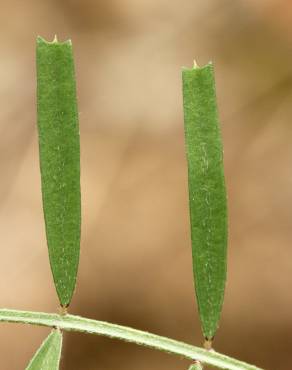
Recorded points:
(135, 264)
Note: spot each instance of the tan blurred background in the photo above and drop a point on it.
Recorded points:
(135, 264)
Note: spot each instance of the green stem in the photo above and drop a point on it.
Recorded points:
(77, 323)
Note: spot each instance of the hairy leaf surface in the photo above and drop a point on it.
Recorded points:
(59, 161)
(207, 194)
(48, 355)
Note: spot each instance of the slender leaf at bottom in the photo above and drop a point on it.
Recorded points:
(48, 355)
(196, 366)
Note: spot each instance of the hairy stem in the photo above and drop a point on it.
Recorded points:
(77, 323)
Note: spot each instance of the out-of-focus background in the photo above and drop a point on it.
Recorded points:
(135, 264)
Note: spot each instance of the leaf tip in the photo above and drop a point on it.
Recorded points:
(196, 66)
(41, 40)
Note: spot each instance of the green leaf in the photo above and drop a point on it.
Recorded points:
(80, 324)
(207, 194)
(48, 355)
(59, 161)
(196, 366)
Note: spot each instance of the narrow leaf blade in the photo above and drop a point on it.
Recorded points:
(59, 149)
(48, 355)
(207, 193)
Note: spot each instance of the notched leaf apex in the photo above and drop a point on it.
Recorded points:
(196, 66)
(41, 40)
